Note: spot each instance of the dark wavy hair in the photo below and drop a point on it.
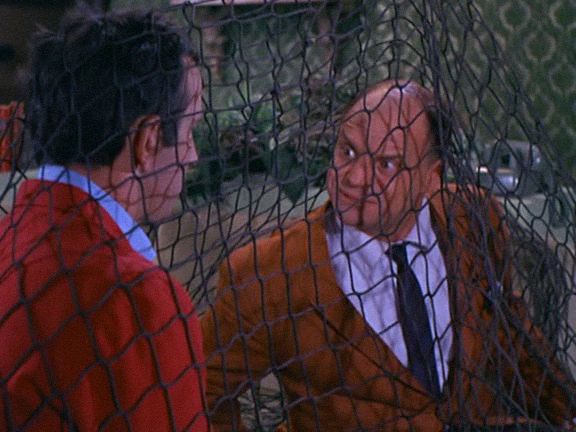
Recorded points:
(97, 74)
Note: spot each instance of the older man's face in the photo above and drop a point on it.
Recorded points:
(382, 169)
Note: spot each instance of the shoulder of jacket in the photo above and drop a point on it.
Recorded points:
(285, 245)
(456, 197)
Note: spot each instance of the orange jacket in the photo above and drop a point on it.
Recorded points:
(279, 309)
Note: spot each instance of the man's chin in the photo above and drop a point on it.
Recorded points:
(161, 215)
(353, 218)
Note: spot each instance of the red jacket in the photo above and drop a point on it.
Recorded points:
(93, 336)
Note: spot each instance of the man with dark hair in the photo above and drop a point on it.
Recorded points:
(389, 308)
(93, 334)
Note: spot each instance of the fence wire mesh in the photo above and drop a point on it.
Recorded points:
(297, 299)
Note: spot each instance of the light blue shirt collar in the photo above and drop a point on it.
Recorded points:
(133, 232)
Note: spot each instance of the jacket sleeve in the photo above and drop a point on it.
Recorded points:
(175, 342)
(118, 351)
(235, 339)
(150, 342)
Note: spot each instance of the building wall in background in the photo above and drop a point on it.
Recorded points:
(537, 38)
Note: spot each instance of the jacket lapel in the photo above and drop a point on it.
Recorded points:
(347, 328)
(369, 358)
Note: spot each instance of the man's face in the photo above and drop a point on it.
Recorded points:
(166, 179)
(382, 169)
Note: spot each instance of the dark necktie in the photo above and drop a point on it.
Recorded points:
(414, 322)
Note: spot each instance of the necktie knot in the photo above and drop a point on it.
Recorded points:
(399, 255)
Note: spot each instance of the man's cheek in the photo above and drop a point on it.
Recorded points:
(331, 183)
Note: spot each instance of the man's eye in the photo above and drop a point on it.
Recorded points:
(349, 152)
(387, 164)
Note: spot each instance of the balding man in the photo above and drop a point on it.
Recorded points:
(390, 307)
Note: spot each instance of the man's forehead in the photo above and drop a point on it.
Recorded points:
(384, 118)
(389, 105)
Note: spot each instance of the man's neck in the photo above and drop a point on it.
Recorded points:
(119, 184)
(401, 232)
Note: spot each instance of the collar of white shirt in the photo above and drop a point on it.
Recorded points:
(365, 275)
(370, 250)
(135, 235)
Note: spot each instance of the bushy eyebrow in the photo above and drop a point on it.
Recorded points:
(346, 138)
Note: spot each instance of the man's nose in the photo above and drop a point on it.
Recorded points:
(190, 154)
(361, 173)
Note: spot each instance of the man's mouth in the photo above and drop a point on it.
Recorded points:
(357, 200)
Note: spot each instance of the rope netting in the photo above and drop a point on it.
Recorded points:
(296, 290)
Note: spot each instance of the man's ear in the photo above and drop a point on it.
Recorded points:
(438, 167)
(145, 140)
(436, 170)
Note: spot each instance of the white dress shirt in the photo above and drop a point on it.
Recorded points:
(365, 274)
(135, 235)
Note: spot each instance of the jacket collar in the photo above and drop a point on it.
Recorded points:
(127, 225)
(60, 205)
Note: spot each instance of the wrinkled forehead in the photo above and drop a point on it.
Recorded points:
(388, 117)
(390, 107)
